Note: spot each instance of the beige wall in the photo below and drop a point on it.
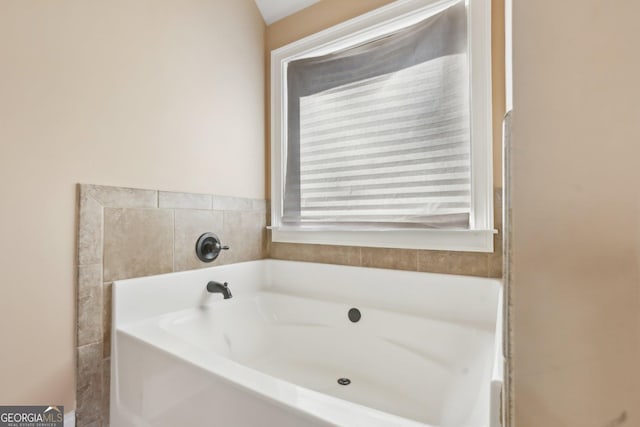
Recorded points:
(576, 213)
(151, 94)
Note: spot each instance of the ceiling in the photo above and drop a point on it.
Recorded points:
(275, 10)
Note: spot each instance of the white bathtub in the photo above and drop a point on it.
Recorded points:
(425, 352)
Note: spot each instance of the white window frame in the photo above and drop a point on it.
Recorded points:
(479, 236)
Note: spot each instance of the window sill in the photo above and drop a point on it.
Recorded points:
(445, 240)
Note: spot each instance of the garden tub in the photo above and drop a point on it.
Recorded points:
(304, 344)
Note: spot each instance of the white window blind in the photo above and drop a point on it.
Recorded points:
(380, 133)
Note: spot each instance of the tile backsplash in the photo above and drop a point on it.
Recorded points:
(125, 233)
(447, 262)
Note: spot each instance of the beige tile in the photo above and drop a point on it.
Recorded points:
(105, 318)
(137, 242)
(246, 235)
(269, 243)
(396, 259)
(191, 224)
(89, 230)
(227, 203)
(89, 304)
(171, 200)
(326, 254)
(89, 386)
(119, 197)
(495, 258)
(106, 387)
(465, 263)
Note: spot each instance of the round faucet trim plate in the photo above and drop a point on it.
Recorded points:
(208, 247)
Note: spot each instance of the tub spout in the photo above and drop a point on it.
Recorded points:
(219, 288)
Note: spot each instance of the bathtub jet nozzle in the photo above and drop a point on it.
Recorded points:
(219, 288)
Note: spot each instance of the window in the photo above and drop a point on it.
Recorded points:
(381, 130)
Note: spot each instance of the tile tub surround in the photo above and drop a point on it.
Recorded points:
(118, 226)
(125, 233)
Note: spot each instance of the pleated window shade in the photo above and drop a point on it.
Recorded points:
(379, 134)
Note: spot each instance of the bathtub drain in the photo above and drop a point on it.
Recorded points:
(344, 381)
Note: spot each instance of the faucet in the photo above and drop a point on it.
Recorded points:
(219, 288)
